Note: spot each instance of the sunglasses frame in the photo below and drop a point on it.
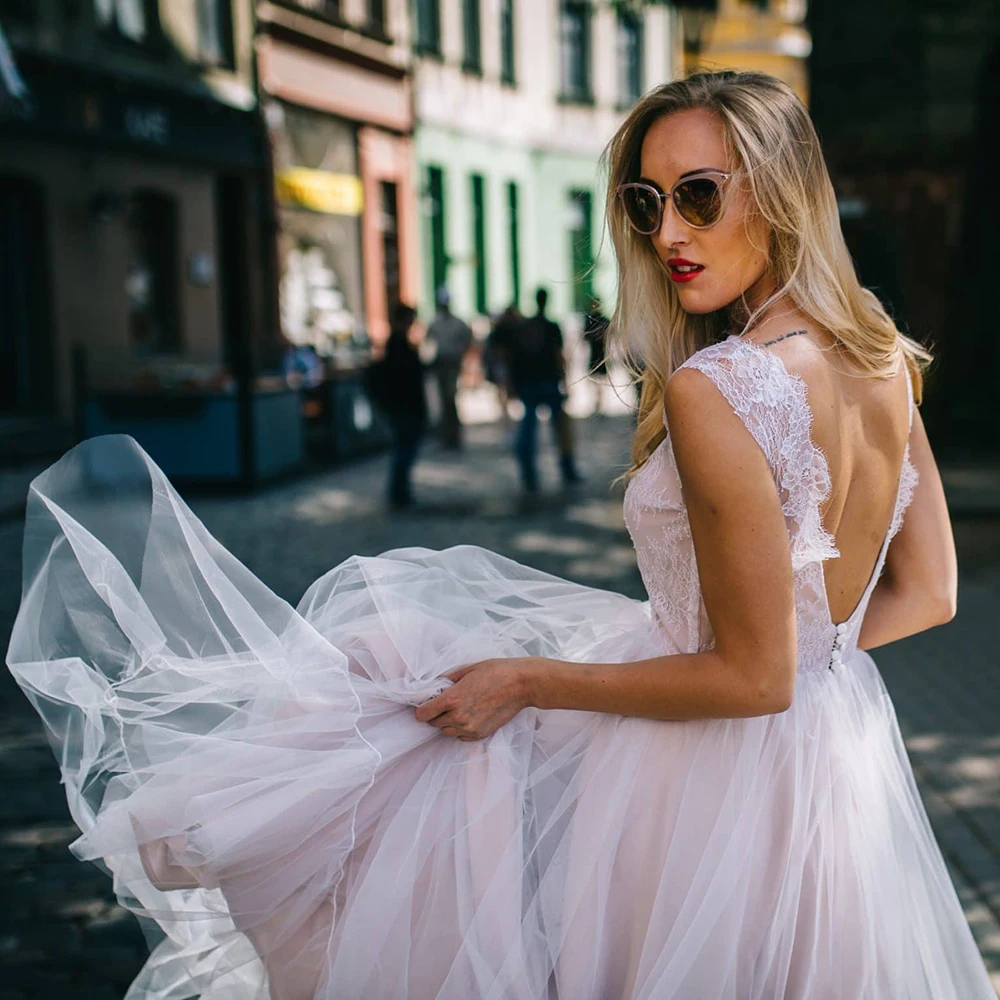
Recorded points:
(662, 197)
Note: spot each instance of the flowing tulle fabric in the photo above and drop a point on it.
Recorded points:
(254, 779)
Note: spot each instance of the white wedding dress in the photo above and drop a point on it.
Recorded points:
(253, 777)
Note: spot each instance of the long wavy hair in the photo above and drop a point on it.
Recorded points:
(770, 138)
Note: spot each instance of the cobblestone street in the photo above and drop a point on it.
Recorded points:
(61, 934)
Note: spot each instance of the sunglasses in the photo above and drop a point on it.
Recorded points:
(697, 198)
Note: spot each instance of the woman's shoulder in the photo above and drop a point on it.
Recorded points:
(747, 375)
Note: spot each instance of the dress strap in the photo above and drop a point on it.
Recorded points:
(908, 476)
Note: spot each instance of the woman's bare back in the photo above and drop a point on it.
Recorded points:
(861, 424)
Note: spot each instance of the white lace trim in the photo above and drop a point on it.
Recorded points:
(908, 479)
(773, 405)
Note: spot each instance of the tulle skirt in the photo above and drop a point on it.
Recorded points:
(254, 780)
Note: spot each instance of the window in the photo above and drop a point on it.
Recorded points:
(581, 248)
(470, 22)
(507, 68)
(629, 57)
(215, 33)
(376, 18)
(479, 240)
(435, 207)
(329, 10)
(134, 21)
(152, 276)
(428, 27)
(574, 42)
(390, 242)
(515, 244)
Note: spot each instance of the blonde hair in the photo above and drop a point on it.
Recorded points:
(769, 136)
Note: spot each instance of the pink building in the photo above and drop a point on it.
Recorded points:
(335, 84)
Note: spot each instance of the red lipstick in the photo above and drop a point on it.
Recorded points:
(684, 276)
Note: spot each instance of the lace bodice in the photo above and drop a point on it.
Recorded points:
(773, 405)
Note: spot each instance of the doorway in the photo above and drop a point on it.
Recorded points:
(26, 366)
(390, 243)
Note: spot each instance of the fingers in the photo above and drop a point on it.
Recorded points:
(456, 727)
(450, 723)
(457, 675)
(463, 735)
(446, 720)
(434, 707)
(439, 703)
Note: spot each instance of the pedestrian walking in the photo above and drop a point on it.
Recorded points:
(537, 371)
(452, 339)
(446, 775)
(396, 383)
(595, 333)
(496, 355)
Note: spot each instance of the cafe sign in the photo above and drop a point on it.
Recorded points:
(320, 191)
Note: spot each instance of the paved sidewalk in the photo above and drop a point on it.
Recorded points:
(972, 490)
(61, 935)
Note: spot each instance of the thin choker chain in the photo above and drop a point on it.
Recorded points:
(777, 340)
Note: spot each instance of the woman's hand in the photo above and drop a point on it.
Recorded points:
(482, 698)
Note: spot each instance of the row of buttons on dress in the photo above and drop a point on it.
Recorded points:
(837, 656)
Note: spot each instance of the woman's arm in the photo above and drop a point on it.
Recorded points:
(741, 545)
(919, 587)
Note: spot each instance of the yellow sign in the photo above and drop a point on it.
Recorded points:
(332, 194)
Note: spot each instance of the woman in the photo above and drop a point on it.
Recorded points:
(449, 776)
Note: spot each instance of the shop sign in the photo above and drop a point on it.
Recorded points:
(320, 190)
(147, 124)
(76, 102)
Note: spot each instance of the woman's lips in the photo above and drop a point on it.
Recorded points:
(684, 276)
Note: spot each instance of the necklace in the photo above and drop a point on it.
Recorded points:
(777, 340)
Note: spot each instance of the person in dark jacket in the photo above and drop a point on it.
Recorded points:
(537, 367)
(397, 385)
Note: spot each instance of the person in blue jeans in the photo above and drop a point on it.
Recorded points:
(537, 368)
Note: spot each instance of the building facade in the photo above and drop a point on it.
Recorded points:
(336, 91)
(515, 101)
(130, 199)
(769, 36)
(905, 98)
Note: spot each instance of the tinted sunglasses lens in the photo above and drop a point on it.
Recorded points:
(699, 201)
(642, 206)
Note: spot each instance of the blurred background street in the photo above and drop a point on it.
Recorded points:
(211, 211)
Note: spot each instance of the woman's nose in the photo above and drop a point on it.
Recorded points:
(673, 230)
